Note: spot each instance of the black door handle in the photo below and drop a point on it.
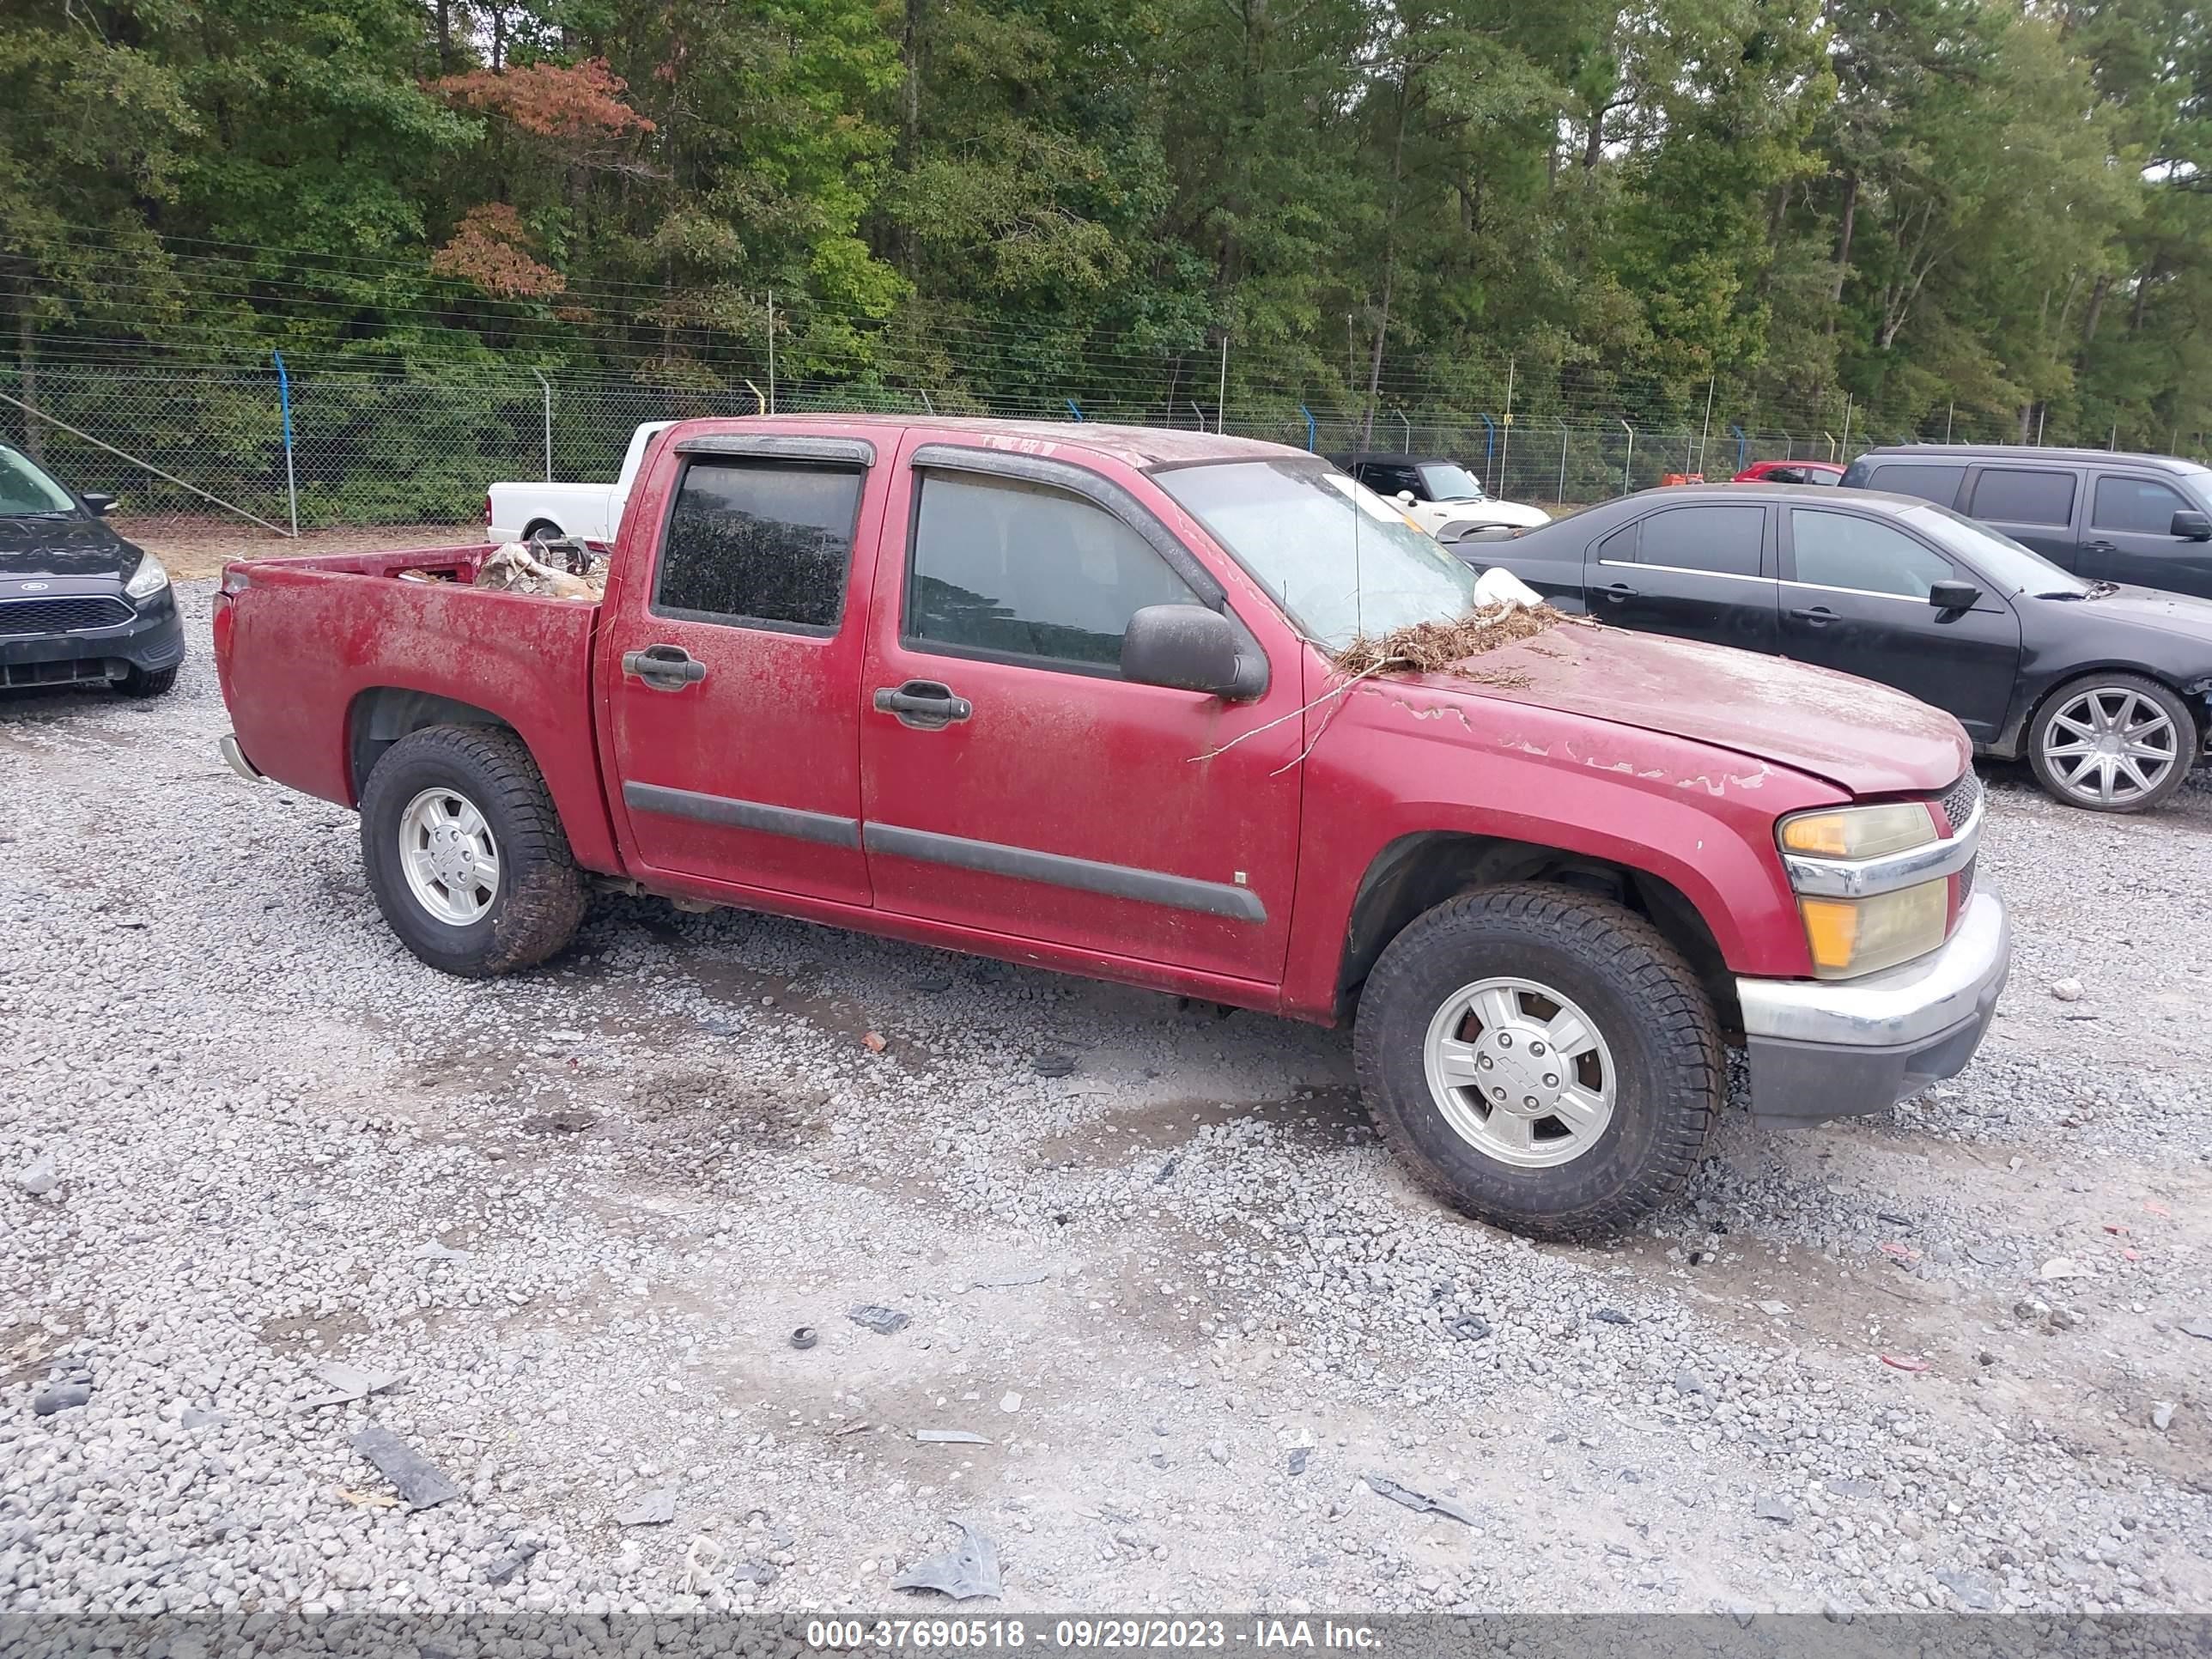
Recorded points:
(2099, 547)
(664, 667)
(1819, 616)
(924, 705)
(1617, 591)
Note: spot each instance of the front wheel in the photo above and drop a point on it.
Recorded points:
(138, 681)
(465, 853)
(1542, 1059)
(2112, 743)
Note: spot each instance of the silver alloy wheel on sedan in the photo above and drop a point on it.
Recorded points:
(449, 855)
(2110, 744)
(1520, 1072)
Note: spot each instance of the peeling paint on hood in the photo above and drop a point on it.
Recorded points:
(1865, 737)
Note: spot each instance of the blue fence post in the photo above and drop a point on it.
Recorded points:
(1489, 446)
(284, 403)
(1742, 446)
(1307, 413)
(1074, 409)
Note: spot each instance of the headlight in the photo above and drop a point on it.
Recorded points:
(149, 579)
(1850, 937)
(1859, 832)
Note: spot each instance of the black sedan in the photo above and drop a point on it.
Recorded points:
(78, 604)
(2102, 687)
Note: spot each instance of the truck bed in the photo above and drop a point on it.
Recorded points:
(309, 649)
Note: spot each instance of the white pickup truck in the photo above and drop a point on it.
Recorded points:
(591, 512)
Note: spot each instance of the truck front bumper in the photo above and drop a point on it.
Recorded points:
(1826, 1048)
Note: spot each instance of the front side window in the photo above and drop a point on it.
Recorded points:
(761, 544)
(1339, 562)
(25, 491)
(1722, 540)
(1839, 550)
(2136, 506)
(1024, 570)
(1939, 484)
(2017, 495)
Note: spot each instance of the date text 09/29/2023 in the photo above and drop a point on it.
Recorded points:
(1094, 1634)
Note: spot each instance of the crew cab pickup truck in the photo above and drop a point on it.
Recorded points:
(1066, 695)
(587, 512)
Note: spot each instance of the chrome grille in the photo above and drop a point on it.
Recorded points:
(20, 617)
(1961, 799)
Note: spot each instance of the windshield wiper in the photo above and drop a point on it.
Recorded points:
(2094, 591)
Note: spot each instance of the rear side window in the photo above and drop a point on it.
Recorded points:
(1023, 570)
(1620, 547)
(2135, 505)
(755, 543)
(1722, 540)
(1939, 484)
(2016, 496)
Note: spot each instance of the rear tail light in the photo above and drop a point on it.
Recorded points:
(487, 511)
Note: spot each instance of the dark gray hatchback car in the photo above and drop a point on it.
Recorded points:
(2141, 520)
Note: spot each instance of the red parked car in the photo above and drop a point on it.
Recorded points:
(1063, 695)
(1791, 472)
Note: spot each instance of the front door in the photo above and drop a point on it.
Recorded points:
(1855, 598)
(731, 679)
(2131, 537)
(1012, 782)
(1697, 572)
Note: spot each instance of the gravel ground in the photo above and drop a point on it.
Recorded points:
(253, 1156)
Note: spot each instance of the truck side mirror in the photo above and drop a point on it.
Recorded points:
(2191, 527)
(1404, 498)
(1953, 596)
(1190, 648)
(98, 506)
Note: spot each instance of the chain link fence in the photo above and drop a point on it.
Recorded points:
(208, 445)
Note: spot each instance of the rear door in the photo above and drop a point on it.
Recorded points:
(2036, 506)
(1855, 598)
(2130, 537)
(730, 675)
(1014, 783)
(1701, 571)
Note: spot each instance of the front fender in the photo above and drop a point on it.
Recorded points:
(1400, 760)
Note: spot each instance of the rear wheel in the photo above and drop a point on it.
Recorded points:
(1542, 1059)
(465, 853)
(2112, 743)
(541, 530)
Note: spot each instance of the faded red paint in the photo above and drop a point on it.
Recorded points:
(1672, 759)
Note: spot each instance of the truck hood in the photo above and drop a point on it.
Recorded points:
(1864, 738)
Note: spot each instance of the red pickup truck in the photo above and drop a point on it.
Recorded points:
(1066, 694)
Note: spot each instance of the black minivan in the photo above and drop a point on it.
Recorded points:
(2142, 520)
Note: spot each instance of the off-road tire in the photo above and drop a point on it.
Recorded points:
(2184, 728)
(541, 897)
(1640, 993)
(139, 683)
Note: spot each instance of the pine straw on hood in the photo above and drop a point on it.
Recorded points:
(1434, 647)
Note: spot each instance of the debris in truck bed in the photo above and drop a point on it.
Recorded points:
(422, 1485)
(515, 568)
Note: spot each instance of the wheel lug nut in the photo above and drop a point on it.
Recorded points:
(1535, 1047)
(1550, 1081)
(1484, 1060)
(1505, 1039)
(1529, 1101)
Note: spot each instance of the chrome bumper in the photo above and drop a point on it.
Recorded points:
(1836, 1048)
(236, 758)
